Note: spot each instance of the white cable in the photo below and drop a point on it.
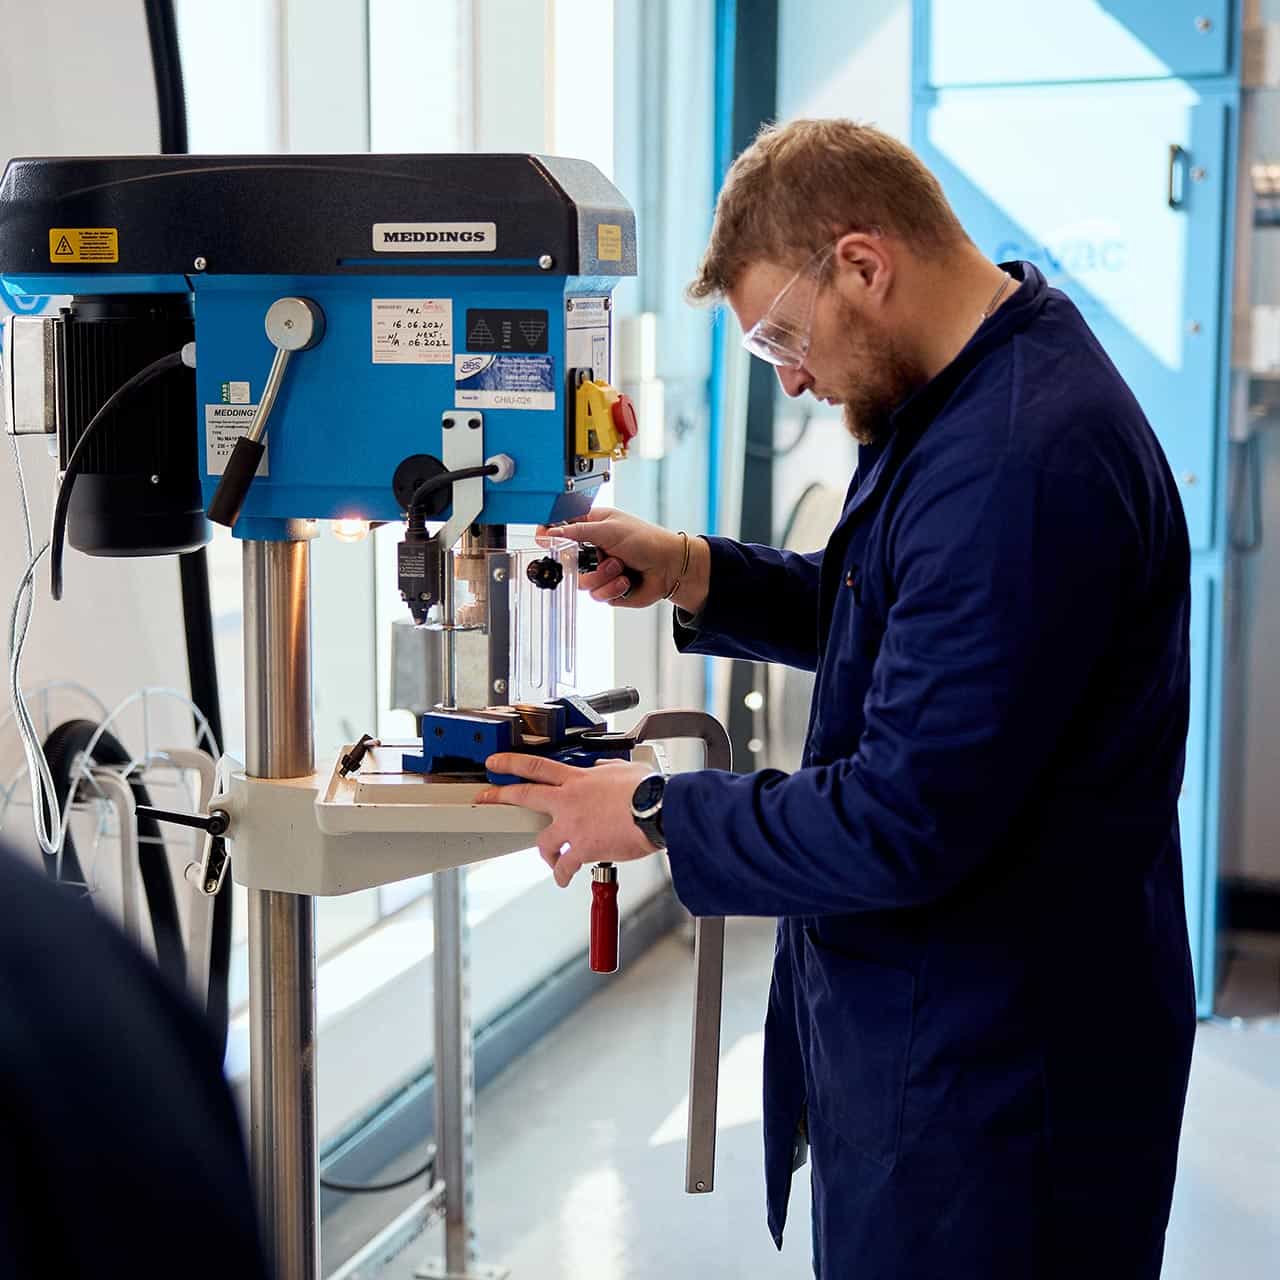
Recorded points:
(45, 811)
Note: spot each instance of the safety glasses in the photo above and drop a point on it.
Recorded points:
(781, 336)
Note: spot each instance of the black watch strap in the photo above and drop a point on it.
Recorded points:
(646, 809)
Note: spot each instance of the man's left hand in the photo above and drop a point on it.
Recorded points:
(590, 809)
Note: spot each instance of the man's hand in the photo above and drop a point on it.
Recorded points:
(627, 542)
(590, 809)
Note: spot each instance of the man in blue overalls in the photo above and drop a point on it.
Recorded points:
(981, 1016)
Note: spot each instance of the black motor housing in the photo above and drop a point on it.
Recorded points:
(138, 488)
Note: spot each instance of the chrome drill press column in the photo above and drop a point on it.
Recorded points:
(454, 1069)
(282, 972)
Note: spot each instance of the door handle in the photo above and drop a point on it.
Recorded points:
(1177, 176)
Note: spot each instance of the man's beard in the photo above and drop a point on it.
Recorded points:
(887, 378)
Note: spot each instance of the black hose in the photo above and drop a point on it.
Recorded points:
(193, 567)
(63, 748)
(162, 31)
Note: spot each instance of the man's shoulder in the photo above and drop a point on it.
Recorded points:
(1051, 398)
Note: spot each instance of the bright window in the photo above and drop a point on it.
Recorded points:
(420, 78)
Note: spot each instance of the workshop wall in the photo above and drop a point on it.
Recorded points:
(75, 78)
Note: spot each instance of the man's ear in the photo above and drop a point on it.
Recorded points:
(864, 265)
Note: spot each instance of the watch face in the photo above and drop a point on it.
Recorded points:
(648, 793)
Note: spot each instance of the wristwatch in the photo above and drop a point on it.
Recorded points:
(646, 808)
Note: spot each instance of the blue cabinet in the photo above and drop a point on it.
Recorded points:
(1096, 139)
(982, 42)
(1118, 194)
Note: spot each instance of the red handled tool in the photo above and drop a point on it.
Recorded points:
(604, 918)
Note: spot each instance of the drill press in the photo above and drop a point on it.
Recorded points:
(416, 339)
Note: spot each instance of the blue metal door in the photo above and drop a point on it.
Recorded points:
(1118, 194)
(981, 42)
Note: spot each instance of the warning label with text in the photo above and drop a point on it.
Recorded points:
(84, 244)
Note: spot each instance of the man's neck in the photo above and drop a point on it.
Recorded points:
(949, 299)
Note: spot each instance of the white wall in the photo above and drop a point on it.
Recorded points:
(841, 59)
(75, 78)
(836, 59)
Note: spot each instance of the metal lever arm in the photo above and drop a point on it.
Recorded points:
(708, 965)
(292, 324)
(215, 823)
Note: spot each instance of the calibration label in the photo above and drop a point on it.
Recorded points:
(435, 237)
(224, 424)
(412, 330)
(505, 382)
(84, 244)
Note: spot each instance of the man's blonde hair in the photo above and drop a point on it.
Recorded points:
(799, 186)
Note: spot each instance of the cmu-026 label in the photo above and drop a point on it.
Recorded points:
(435, 237)
(505, 382)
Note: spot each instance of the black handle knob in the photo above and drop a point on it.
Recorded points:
(590, 559)
(232, 489)
(611, 700)
(546, 573)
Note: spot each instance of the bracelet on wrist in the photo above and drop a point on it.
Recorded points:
(684, 568)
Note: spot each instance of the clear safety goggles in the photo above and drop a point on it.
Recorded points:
(781, 336)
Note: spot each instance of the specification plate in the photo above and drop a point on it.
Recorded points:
(224, 424)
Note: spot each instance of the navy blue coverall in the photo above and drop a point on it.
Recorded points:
(982, 1011)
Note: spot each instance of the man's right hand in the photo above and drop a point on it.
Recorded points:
(652, 554)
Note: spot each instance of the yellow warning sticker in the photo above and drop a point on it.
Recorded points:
(84, 244)
(609, 242)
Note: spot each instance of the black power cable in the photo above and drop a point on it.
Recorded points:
(425, 1169)
(122, 393)
(447, 478)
